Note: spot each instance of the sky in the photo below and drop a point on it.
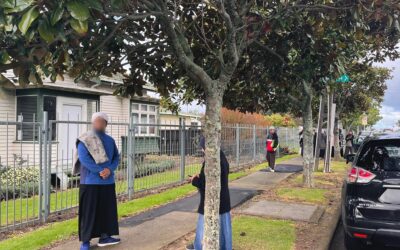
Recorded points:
(390, 110)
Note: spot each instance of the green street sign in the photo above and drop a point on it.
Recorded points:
(343, 79)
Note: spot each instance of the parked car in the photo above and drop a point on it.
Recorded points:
(371, 194)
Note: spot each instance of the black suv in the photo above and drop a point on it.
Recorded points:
(371, 194)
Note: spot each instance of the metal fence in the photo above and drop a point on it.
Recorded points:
(36, 161)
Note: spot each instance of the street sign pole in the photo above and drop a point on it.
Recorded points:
(319, 131)
(328, 134)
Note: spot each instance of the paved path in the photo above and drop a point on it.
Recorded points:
(283, 210)
(160, 226)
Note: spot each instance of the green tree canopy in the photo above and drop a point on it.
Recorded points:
(290, 48)
(363, 94)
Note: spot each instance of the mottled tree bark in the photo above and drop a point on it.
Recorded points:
(214, 88)
(212, 132)
(336, 140)
(308, 159)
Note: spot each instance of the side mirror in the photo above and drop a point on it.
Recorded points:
(350, 158)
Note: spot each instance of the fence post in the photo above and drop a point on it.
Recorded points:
(286, 138)
(131, 157)
(254, 143)
(40, 191)
(237, 145)
(278, 153)
(182, 152)
(46, 172)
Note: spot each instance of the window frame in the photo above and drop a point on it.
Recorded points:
(17, 128)
(140, 113)
(54, 129)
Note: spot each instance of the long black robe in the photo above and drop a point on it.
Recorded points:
(97, 211)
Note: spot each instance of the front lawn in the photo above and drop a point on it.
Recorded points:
(262, 234)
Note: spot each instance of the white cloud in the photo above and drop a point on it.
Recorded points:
(390, 116)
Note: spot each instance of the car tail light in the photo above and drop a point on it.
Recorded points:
(360, 235)
(359, 175)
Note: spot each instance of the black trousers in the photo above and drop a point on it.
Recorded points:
(271, 159)
(348, 150)
(97, 211)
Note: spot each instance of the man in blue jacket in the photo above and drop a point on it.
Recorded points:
(97, 199)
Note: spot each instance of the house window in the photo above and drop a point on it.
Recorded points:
(92, 107)
(27, 112)
(145, 114)
(50, 106)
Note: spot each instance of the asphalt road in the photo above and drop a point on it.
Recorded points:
(338, 241)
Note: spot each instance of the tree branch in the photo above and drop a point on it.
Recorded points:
(271, 51)
(319, 7)
(295, 100)
(193, 70)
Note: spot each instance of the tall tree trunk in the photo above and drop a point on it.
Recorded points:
(212, 132)
(308, 159)
(336, 139)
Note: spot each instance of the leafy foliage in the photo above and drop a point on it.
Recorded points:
(363, 94)
(281, 120)
(236, 117)
(19, 182)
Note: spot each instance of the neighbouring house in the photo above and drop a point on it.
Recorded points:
(170, 132)
(191, 120)
(70, 102)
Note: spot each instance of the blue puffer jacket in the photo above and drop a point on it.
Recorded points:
(90, 171)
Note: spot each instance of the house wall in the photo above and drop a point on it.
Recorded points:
(117, 109)
(10, 148)
(174, 119)
(7, 133)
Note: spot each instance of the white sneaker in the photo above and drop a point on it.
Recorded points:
(271, 170)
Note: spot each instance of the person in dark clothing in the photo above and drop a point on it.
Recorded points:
(341, 142)
(349, 144)
(272, 145)
(97, 199)
(199, 181)
(301, 141)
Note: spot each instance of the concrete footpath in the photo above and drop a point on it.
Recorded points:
(160, 226)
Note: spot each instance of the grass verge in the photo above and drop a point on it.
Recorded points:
(260, 233)
(312, 195)
(51, 233)
(23, 209)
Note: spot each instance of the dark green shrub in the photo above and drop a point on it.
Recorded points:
(145, 169)
(19, 182)
(23, 190)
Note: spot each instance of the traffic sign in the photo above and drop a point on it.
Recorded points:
(343, 78)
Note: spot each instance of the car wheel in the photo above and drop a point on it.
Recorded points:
(351, 243)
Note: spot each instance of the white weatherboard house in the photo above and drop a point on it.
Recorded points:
(66, 100)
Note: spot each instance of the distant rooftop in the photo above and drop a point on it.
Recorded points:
(185, 114)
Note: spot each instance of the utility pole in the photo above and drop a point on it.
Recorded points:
(319, 131)
(329, 132)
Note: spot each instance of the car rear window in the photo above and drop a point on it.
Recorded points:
(380, 155)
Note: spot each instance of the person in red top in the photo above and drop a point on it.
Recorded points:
(272, 145)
